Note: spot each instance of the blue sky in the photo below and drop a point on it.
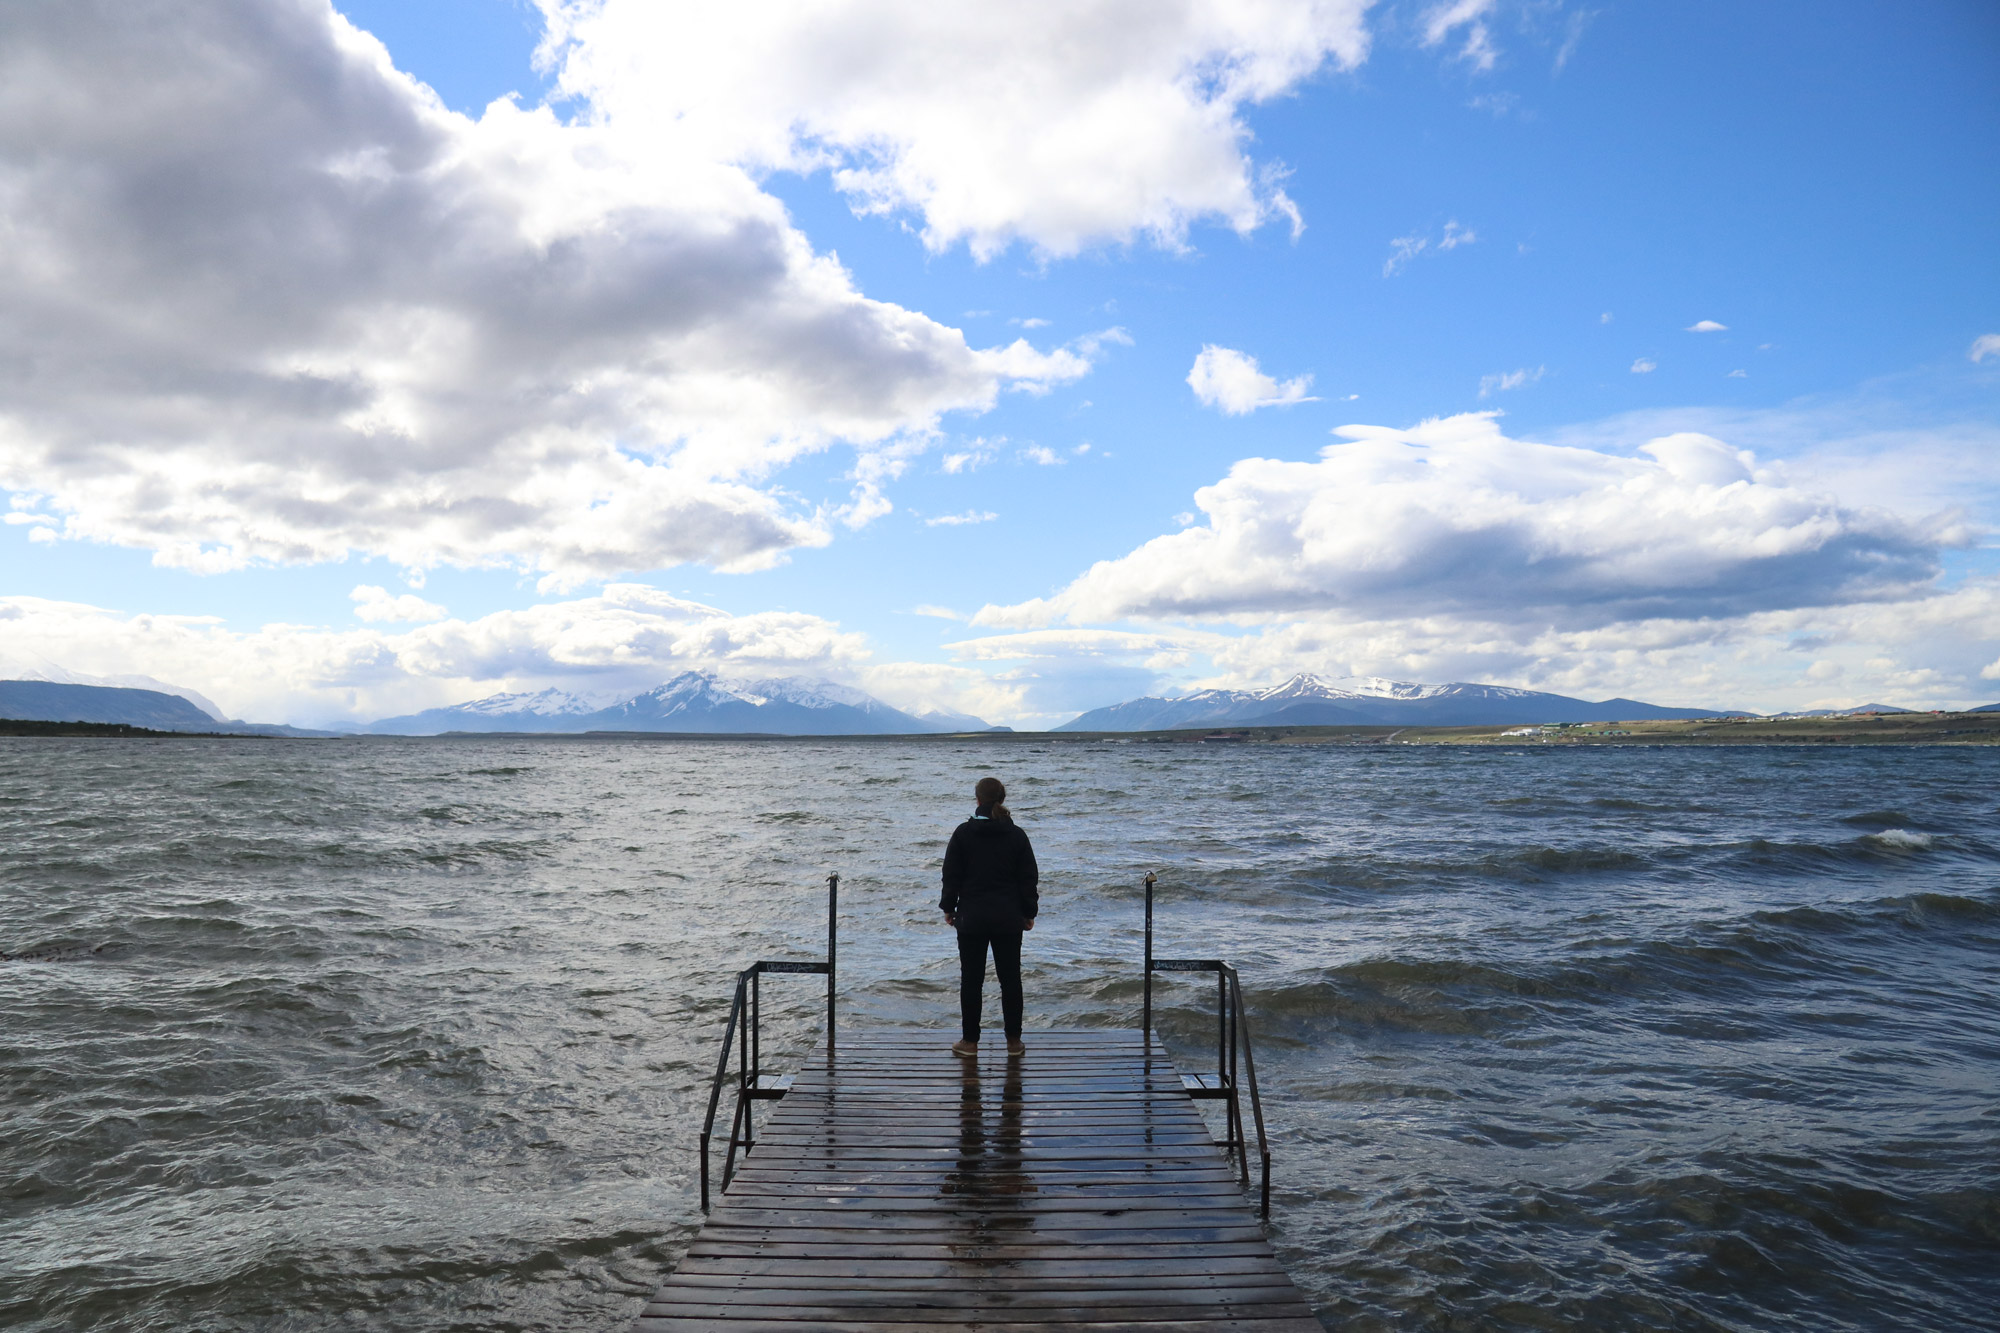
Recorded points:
(1535, 210)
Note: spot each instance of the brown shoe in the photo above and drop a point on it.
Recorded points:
(965, 1048)
(1015, 1046)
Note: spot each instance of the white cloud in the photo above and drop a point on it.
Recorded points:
(1061, 123)
(377, 603)
(977, 456)
(1068, 643)
(1512, 379)
(1645, 365)
(1043, 456)
(1924, 645)
(1707, 326)
(1471, 15)
(1030, 323)
(1577, 21)
(626, 639)
(936, 612)
(1935, 650)
(1405, 248)
(1230, 381)
(956, 520)
(1737, 375)
(275, 303)
(607, 647)
(920, 687)
(1604, 318)
(1452, 517)
(1985, 345)
(1878, 445)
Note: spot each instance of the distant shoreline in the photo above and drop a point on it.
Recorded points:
(1873, 729)
(10, 726)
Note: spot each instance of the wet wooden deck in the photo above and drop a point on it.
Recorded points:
(900, 1187)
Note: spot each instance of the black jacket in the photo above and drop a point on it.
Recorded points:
(990, 877)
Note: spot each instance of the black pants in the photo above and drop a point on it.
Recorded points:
(972, 946)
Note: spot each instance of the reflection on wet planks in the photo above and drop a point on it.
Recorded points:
(900, 1187)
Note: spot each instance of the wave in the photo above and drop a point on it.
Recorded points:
(61, 953)
(1760, 955)
(1878, 819)
(1903, 839)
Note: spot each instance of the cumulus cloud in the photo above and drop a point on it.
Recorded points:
(1645, 365)
(1230, 381)
(1451, 516)
(1512, 379)
(604, 648)
(1985, 345)
(1935, 650)
(1405, 248)
(1707, 326)
(626, 639)
(959, 520)
(266, 299)
(377, 603)
(1060, 123)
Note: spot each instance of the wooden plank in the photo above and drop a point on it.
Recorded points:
(899, 1187)
(1045, 1289)
(1110, 1289)
(981, 1325)
(1124, 1266)
(917, 1316)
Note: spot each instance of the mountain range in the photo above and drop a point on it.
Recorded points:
(156, 710)
(694, 701)
(1314, 701)
(702, 702)
(35, 667)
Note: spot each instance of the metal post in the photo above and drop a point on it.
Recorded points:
(745, 1079)
(1221, 1028)
(832, 950)
(1146, 1005)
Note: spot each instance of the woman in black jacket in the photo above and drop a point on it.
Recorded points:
(990, 895)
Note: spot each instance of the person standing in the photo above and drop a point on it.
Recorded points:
(990, 897)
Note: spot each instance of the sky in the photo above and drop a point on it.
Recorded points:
(1015, 360)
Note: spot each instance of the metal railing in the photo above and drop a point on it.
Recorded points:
(1235, 1059)
(745, 1034)
(1232, 1039)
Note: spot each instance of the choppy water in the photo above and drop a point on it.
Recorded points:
(412, 1034)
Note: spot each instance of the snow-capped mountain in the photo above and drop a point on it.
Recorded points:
(34, 689)
(694, 701)
(542, 703)
(943, 719)
(30, 666)
(698, 701)
(542, 710)
(62, 701)
(1308, 700)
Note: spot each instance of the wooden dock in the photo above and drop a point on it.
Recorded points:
(898, 1187)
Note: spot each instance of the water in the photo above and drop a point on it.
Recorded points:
(413, 1035)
